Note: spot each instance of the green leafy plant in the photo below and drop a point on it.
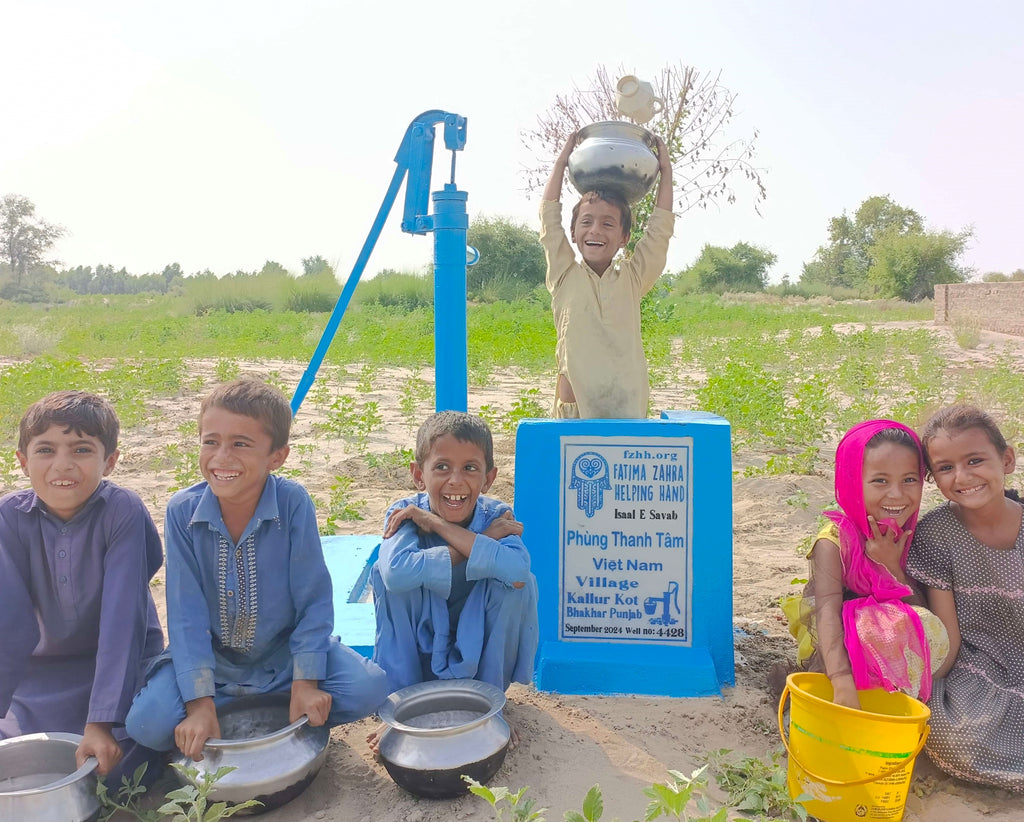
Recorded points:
(127, 798)
(502, 801)
(341, 507)
(226, 370)
(798, 499)
(393, 462)
(593, 807)
(347, 420)
(189, 803)
(414, 392)
(185, 465)
(367, 374)
(672, 798)
(757, 787)
(526, 406)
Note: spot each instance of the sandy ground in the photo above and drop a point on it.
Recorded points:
(568, 742)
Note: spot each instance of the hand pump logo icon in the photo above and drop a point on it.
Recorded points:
(590, 479)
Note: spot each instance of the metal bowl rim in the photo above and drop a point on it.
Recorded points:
(72, 739)
(638, 132)
(271, 699)
(495, 696)
(235, 744)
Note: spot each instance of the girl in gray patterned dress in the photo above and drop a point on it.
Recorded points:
(969, 553)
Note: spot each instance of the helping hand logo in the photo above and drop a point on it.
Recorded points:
(590, 479)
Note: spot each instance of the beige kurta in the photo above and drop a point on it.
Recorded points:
(597, 318)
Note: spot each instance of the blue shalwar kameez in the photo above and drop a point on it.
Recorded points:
(436, 620)
(248, 617)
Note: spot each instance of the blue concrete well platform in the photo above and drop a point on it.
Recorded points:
(349, 559)
(629, 528)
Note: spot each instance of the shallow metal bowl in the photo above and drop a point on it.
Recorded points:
(438, 731)
(275, 761)
(614, 156)
(39, 780)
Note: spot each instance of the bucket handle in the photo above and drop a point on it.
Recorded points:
(839, 782)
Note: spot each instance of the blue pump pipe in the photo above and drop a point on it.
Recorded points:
(449, 224)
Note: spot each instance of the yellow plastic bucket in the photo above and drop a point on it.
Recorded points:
(855, 765)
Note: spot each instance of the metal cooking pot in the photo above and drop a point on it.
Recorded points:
(40, 781)
(438, 731)
(614, 156)
(275, 761)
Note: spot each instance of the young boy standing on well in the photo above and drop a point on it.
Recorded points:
(77, 621)
(249, 598)
(602, 369)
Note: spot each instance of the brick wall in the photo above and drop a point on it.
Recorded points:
(993, 306)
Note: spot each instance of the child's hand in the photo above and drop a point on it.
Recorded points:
(553, 187)
(887, 549)
(308, 700)
(426, 521)
(567, 149)
(664, 161)
(201, 724)
(504, 526)
(844, 692)
(98, 741)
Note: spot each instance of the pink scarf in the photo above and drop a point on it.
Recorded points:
(879, 628)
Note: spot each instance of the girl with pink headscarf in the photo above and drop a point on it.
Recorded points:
(860, 620)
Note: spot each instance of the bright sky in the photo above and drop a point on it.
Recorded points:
(222, 134)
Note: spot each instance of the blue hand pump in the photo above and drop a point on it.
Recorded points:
(449, 223)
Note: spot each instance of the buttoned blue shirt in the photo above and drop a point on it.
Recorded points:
(243, 614)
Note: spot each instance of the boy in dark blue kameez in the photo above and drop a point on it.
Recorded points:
(249, 605)
(77, 622)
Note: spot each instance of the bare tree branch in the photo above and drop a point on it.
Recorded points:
(693, 122)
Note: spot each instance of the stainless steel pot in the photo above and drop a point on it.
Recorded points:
(438, 731)
(614, 156)
(39, 780)
(275, 761)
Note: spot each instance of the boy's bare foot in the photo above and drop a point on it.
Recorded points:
(373, 738)
(513, 734)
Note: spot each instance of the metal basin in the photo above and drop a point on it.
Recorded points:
(614, 156)
(438, 731)
(39, 780)
(275, 761)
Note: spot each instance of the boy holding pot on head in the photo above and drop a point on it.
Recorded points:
(602, 370)
(249, 598)
(77, 621)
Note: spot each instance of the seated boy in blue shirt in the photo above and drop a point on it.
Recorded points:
(452, 588)
(249, 598)
(77, 622)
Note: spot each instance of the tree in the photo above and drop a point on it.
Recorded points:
(273, 270)
(909, 266)
(885, 250)
(171, 273)
(1000, 277)
(511, 256)
(743, 267)
(25, 238)
(312, 266)
(694, 124)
